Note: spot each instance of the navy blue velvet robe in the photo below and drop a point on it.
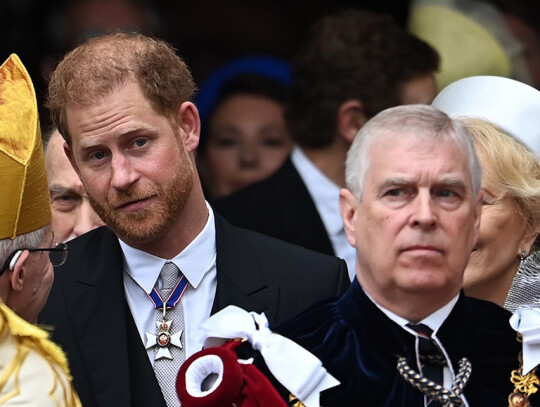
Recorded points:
(360, 346)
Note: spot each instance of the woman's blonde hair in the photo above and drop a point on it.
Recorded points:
(514, 169)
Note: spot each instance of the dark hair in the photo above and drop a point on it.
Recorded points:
(246, 84)
(357, 55)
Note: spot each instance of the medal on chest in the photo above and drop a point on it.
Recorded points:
(164, 338)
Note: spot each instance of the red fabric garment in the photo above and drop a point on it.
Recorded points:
(242, 385)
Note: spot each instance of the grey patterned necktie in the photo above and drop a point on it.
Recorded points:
(167, 369)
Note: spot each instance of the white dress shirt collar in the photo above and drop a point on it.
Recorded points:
(433, 321)
(197, 262)
(193, 261)
(323, 191)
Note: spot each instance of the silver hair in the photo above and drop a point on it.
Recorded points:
(28, 240)
(408, 121)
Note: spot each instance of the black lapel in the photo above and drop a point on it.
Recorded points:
(239, 279)
(300, 216)
(145, 390)
(454, 331)
(97, 311)
(373, 325)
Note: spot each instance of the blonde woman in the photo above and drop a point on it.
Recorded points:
(501, 115)
(510, 219)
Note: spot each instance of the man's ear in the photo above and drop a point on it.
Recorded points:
(350, 118)
(347, 207)
(69, 155)
(18, 273)
(190, 122)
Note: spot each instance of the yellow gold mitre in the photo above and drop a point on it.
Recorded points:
(24, 201)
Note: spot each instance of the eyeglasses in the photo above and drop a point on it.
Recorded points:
(58, 256)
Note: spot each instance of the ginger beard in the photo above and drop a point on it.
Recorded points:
(153, 222)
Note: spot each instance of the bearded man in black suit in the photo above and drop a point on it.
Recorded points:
(127, 304)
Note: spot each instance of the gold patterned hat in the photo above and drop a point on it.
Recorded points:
(24, 202)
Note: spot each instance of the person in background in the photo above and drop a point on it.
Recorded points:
(354, 64)
(403, 334)
(128, 303)
(480, 37)
(244, 136)
(503, 267)
(522, 18)
(33, 370)
(72, 214)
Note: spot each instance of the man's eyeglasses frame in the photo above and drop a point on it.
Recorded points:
(14, 256)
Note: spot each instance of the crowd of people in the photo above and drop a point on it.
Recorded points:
(366, 234)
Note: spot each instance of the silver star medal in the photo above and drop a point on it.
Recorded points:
(163, 339)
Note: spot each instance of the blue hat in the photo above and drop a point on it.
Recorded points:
(263, 66)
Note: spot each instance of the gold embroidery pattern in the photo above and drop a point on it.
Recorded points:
(524, 385)
(294, 402)
(527, 384)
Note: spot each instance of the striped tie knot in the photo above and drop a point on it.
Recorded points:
(429, 351)
(421, 329)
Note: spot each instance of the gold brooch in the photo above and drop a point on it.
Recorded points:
(525, 384)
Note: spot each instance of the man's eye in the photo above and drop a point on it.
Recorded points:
(394, 192)
(98, 155)
(65, 203)
(140, 142)
(445, 193)
(448, 196)
(64, 198)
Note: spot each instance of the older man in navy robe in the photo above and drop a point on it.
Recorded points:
(404, 334)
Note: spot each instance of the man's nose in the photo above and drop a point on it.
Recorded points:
(123, 173)
(423, 211)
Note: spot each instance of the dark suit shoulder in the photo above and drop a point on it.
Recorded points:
(270, 249)
(489, 328)
(279, 206)
(288, 252)
(92, 241)
(90, 255)
(490, 319)
(260, 197)
(250, 262)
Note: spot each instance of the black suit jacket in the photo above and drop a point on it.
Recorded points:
(278, 206)
(92, 322)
